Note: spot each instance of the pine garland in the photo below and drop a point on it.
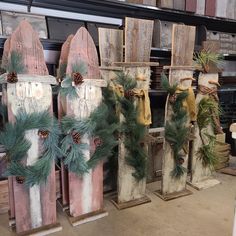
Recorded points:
(68, 87)
(205, 119)
(176, 132)
(95, 126)
(16, 146)
(133, 132)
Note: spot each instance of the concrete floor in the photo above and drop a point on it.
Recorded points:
(205, 213)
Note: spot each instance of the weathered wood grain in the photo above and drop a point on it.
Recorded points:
(210, 7)
(30, 211)
(191, 5)
(138, 40)
(144, 2)
(179, 5)
(221, 8)
(182, 55)
(165, 3)
(231, 9)
(200, 9)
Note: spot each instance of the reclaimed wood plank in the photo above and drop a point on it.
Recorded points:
(221, 8)
(182, 55)
(200, 9)
(31, 96)
(144, 2)
(165, 3)
(210, 8)
(179, 5)
(191, 5)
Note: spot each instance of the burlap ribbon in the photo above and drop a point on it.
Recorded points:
(142, 100)
(212, 93)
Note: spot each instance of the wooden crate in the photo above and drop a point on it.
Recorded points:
(10, 21)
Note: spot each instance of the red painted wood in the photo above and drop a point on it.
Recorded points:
(83, 49)
(191, 5)
(210, 9)
(26, 42)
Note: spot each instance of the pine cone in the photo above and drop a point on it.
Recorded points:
(77, 78)
(20, 179)
(181, 161)
(12, 77)
(172, 98)
(129, 94)
(98, 142)
(43, 133)
(76, 137)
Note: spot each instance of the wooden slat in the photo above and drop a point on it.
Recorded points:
(210, 8)
(165, 3)
(200, 9)
(138, 48)
(144, 2)
(191, 5)
(179, 5)
(182, 55)
(221, 8)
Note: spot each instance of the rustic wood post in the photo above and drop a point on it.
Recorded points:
(138, 35)
(85, 193)
(201, 175)
(181, 68)
(33, 208)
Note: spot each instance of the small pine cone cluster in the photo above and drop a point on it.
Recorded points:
(77, 78)
(20, 179)
(12, 77)
(172, 98)
(43, 134)
(76, 137)
(129, 94)
(98, 142)
(181, 161)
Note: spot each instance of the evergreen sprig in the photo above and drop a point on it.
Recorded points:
(133, 131)
(16, 146)
(68, 89)
(205, 119)
(95, 126)
(176, 131)
(15, 63)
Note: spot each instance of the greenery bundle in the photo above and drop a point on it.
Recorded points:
(96, 126)
(176, 131)
(16, 146)
(132, 131)
(206, 58)
(205, 119)
(68, 87)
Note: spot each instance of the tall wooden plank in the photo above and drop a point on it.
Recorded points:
(179, 5)
(144, 2)
(182, 55)
(200, 9)
(221, 8)
(138, 40)
(231, 9)
(37, 207)
(210, 8)
(85, 192)
(61, 112)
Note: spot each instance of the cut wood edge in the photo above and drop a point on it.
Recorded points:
(46, 79)
(228, 171)
(129, 204)
(64, 207)
(181, 67)
(205, 184)
(172, 196)
(86, 218)
(134, 64)
(44, 230)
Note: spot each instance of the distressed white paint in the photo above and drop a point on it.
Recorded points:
(201, 176)
(128, 187)
(34, 192)
(201, 7)
(170, 184)
(90, 96)
(46, 79)
(31, 97)
(221, 7)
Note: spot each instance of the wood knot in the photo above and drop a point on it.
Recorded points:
(12, 77)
